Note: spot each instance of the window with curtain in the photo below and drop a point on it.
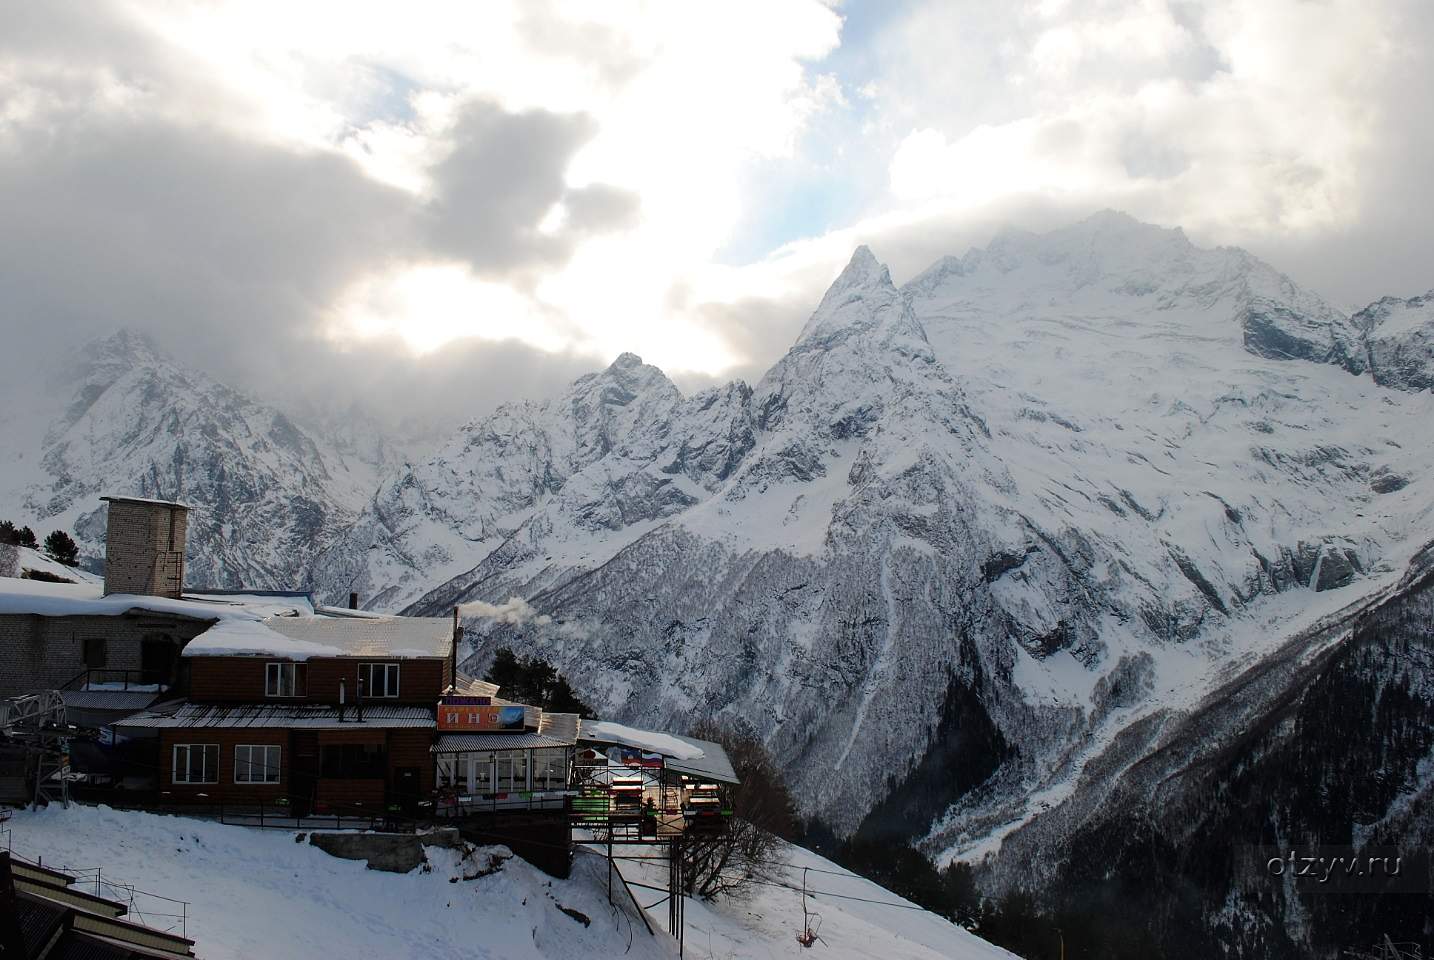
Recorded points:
(284, 680)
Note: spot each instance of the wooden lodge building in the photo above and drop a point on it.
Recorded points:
(264, 700)
(323, 712)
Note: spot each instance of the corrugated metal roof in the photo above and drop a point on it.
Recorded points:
(107, 699)
(474, 742)
(473, 687)
(278, 716)
(563, 726)
(371, 636)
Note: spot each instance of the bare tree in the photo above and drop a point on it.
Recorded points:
(762, 813)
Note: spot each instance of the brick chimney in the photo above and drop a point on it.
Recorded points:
(144, 546)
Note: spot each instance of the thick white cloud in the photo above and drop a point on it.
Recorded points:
(668, 102)
(566, 178)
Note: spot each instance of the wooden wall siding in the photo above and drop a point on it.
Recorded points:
(419, 681)
(411, 748)
(241, 680)
(226, 679)
(226, 790)
(340, 796)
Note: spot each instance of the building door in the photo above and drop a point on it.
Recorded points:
(480, 772)
(303, 772)
(406, 787)
(156, 659)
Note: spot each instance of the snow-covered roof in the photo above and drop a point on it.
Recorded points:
(158, 503)
(372, 636)
(87, 599)
(700, 758)
(664, 743)
(253, 638)
(271, 715)
(300, 638)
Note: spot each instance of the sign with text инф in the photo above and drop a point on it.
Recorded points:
(470, 717)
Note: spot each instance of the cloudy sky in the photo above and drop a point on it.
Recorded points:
(429, 207)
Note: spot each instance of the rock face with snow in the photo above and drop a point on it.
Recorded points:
(962, 534)
(265, 494)
(436, 519)
(1399, 341)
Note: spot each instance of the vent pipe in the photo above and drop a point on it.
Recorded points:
(453, 653)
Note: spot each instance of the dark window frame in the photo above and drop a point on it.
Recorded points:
(274, 672)
(353, 761)
(389, 672)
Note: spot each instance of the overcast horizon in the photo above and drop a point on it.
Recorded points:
(426, 214)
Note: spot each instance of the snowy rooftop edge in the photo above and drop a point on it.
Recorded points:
(41, 598)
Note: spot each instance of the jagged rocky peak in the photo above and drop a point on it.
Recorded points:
(861, 301)
(862, 270)
(608, 406)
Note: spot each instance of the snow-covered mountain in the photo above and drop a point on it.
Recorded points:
(960, 556)
(266, 494)
(960, 536)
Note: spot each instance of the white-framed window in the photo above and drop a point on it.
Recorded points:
(196, 763)
(550, 769)
(512, 771)
(284, 680)
(256, 763)
(379, 679)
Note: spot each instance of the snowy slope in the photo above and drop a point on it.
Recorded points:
(265, 494)
(854, 917)
(34, 560)
(259, 893)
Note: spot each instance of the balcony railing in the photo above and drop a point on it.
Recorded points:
(102, 678)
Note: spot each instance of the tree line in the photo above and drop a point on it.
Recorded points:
(59, 545)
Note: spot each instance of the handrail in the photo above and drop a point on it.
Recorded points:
(85, 678)
(82, 875)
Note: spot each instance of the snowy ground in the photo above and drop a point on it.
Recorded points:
(261, 893)
(854, 917)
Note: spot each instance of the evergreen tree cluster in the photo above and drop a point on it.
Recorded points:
(18, 536)
(59, 545)
(61, 548)
(535, 681)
